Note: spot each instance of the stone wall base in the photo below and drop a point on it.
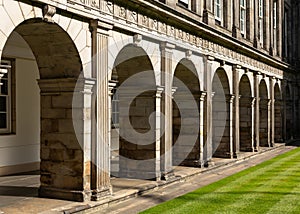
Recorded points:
(72, 195)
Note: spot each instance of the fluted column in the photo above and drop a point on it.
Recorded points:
(201, 131)
(167, 161)
(269, 121)
(252, 123)
(236, 116)
(100, 148)
(208, 86)
(256, 118)
(231, 124)
(166, 80)
(272, 116)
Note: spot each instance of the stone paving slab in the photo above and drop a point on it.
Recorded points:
(18, 194)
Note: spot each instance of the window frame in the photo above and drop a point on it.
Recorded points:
(219, 3)
(243, 20)
(8, 65)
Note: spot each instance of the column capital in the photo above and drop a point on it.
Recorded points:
(100, 26)
(202, 95)
(230, 98)
(111, 86)
(210, 58)
(257, 73)
(237, 66)
(166, 46)
(159, 91)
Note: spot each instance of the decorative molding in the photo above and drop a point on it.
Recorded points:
(48, 13)
(137, 39)
(205, 46)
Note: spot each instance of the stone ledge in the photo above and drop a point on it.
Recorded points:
(73, 195)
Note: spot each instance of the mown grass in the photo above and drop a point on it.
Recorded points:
(271, 187)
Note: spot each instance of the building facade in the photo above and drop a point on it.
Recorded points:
(95, 89)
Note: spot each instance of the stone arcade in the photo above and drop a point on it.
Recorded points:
(96, 89)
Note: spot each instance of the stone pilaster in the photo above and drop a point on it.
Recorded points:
(201, 128)
(101, 145)
(231, 124)
(280, 9)
(269, 101)
(208, 13)
(267, 25)
(161, 159)
(236, 32)
(166, 80)
(208, 123)
(250, 20)
(66, 138)
(253, 123)
(256, 116)
(272, 111)
(228, 14)
(236, 106)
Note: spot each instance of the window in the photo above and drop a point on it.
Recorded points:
(115, 109)
(275, 24)
(184, 3)
(243, 17)
(218, 11)
(261, 21)
(5, 98)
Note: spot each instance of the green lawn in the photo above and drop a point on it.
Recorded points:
(271, 187)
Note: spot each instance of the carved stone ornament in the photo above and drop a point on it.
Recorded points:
(48, 13)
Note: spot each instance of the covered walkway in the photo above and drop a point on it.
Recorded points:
(19, 193)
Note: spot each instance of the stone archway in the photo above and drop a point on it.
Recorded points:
(245, 110)
(186, 141)
(264, 107)
(221, 114)
(278, 114)
(133, 125)
(64, 133)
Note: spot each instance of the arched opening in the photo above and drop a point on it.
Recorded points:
(263, 115)
(289, 113)
(44, 51)
(278, 114)
(245, 114)
(220, 114)
(133, 115)
(186, 144)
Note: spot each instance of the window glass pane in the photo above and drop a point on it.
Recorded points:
(4, 87)
(3, 104)
(3, 121)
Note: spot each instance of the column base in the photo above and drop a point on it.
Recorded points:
(100, 194)
(166, 176)
(70, 195)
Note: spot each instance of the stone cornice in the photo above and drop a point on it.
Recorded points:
(147, 16)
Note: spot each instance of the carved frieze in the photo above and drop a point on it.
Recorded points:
(142, 20)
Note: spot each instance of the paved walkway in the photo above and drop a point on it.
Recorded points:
(18, 193)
